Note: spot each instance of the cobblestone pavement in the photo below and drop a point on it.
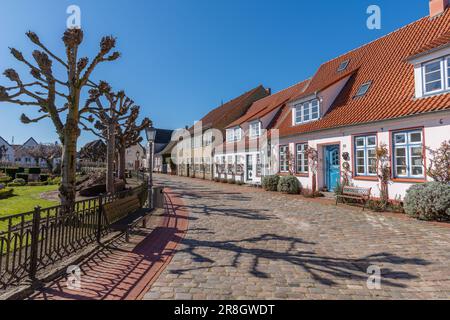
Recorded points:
(244, 243)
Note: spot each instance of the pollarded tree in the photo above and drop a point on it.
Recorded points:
(128, 135)
(58, 99)
(110, 116)
(46, 152)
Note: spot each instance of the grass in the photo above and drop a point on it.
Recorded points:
(25, 199)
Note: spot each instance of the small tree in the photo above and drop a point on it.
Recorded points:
(383, 172)
(439, 167)
(346, 172)
(56, 98)
(313, 162)
(46, 152)
(3, 151)
(94, 151)
(128, 135)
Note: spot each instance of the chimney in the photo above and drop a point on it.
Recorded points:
(437, 7)
(269, 91)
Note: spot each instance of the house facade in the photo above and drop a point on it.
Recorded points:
(393, 91)
(245, 154)
(195, 150)
(16, 154)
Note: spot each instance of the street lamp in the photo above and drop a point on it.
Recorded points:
(151, 135)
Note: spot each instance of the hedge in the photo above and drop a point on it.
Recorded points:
(23, 176)
(34, 170)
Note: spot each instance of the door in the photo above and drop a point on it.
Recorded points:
(332, 167)
(249, 166)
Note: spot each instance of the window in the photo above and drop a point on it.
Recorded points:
(343, 65)
(234, 134)
(284, 166)
(258, 165)
(408, 154)
(307, 111)
(302, 158)
(255, 129)
(436, 76)
(365, 155)
(363, 89)
(230, 165)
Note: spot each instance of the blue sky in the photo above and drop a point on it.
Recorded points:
(181, 58)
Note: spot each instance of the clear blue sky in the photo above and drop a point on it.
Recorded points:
(181, 58)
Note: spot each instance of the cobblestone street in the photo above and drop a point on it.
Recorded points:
(244, 243)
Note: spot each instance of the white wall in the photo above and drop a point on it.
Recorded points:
(436, 130)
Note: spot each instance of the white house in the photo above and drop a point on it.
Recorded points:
(394, 90)
(245, 152)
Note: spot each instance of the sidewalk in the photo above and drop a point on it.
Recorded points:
(125, 271)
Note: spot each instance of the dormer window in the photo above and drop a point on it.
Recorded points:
(306, 111)
(255, 129)
(432, 73)
(343, 65)
(234, 134)
(436, 76)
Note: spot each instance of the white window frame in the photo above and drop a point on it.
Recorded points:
(284, 162)
(445, 76)
(301, 157)
(234, 134)
(365, 148)
(300, 109)
(255, 132)
(408, 146)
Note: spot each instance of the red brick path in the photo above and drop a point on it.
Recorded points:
(126, 271)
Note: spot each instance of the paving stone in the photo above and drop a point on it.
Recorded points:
(244, 243)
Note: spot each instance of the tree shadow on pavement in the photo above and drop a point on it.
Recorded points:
(321, 268)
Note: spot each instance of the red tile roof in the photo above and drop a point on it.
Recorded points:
(264, 106)
(384, 62)
(443, 40)
(220, 117)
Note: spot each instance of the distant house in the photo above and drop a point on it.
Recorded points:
(162, 153)
(16, 154)
(196, 157)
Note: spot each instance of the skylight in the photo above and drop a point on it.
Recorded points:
(343, 65)
(363, 89)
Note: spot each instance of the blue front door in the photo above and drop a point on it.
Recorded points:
(332, 167)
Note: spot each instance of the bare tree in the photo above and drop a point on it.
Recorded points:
(128, 135)
(94, 151)
(3, 151)
(110, 117)
(439, 167)
(45, 92)
(313, 162)
(46, 152)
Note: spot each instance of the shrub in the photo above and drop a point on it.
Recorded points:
(6, 193)
(23, 176)
(289, 184)
(429, 201)
(270, 183)
(34, 170)
(231, 181)
(44, 177)
(5, 179)
(17, 183)
(223, 180)
(239, 182)
(54, 181)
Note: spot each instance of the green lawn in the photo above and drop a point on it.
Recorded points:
(25, 199)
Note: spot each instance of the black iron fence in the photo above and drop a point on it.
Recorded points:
(32, 241)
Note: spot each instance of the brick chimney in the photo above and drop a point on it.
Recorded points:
(437, 7)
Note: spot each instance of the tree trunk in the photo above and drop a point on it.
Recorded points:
(110, 156)
(122, 164)
(314, 183)
(67, 192)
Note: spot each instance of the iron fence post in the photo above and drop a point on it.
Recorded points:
(99, 218)
(35, 242)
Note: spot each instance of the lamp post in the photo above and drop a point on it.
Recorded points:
(151, 135)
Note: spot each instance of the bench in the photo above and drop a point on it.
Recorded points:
(355, 193)
(124, 214)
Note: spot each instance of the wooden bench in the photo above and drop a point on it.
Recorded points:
(355, 193)
(124, 214)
